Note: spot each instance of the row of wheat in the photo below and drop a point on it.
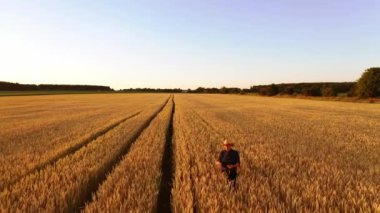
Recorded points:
(198, 186)
(37, 129)
(65, 185)
(134, 183)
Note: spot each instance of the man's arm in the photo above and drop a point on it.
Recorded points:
(220, 157)
(218, 163)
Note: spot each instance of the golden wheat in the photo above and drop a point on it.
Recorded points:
(134, 183)
(64, 185)
(35, 129)
(296, 155)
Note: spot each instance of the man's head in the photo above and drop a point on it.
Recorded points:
(227, 145)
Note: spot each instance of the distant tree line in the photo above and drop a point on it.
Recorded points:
(150, 90)
(222, 90)
(368, 86)
(306, 89)
(7, 86)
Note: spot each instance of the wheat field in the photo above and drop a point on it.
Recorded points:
(156, 152)
(296, 155)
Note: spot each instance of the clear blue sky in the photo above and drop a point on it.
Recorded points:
(186, 44)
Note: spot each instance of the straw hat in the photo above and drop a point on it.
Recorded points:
(226, 143)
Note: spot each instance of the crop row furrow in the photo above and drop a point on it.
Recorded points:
(29, 141)
(67, 184)
(75, 147)
(137, 181)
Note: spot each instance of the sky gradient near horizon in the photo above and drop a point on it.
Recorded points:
(186, 44)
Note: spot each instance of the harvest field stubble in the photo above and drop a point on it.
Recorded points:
(150, 152)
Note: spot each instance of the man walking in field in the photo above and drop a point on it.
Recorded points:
(228, 162)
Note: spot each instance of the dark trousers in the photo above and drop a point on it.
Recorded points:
(231, 176)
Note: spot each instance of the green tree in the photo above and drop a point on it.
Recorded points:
(223, 90)
(273, 90)
(369, 83)
(328, 91)
(314, 90)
